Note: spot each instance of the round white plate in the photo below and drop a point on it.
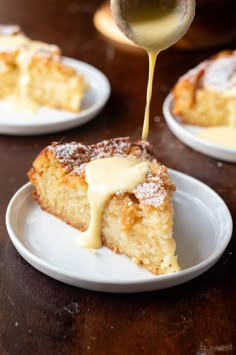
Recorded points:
(203, 228)
(48, 120)
(187, 134)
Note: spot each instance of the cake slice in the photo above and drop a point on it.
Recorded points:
(206, 95)
(138, 223)
(33, 74)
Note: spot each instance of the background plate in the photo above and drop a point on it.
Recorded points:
(203, 227)
(48, 120)
(187, 134)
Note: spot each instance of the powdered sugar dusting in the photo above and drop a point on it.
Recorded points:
(219, 74)
(74, 157)
(151, 193)
(12, 40)
(9, 30)
(155, 191)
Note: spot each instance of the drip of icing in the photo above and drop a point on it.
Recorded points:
(154, 26)
(152, 61)
(105, 177)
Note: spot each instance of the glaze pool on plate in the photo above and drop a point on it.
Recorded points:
(203, 228)
(187, 134)
(48, 120)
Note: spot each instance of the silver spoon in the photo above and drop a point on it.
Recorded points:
(153, 24)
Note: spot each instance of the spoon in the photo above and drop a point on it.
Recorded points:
(153, 24)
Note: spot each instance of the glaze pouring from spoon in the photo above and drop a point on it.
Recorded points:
(153, 25)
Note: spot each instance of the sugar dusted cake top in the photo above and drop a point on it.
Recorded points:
(12, 39)
(217, 73)
(10, 30)
(74, 157)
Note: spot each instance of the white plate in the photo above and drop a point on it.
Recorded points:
(48, 120)
(203, 228)
(187, 134)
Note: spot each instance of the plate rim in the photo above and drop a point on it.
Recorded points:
(72, 117)
(184, 275)
(177, 128)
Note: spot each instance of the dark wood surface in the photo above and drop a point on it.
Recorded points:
(39, 315)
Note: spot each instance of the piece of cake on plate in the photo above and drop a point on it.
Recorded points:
(206, 95)
(33, 73)
(138, 223)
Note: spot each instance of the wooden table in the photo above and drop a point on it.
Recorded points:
(39, 315)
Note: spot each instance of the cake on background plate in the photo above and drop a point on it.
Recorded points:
(138, 223)
(206, 95)
(33, 74)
